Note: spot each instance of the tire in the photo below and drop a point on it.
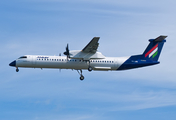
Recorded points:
(17, 70)
(82, 78)
(90, 69)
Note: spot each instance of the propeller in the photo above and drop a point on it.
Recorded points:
(67, 52)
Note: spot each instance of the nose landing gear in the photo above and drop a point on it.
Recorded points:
(17, 70)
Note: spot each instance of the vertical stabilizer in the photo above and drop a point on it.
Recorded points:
(154, 48)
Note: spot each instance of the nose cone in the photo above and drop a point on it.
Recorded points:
(13, 63)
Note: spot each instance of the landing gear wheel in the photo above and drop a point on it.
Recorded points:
(17, 70)
(90, 69)
(82, 77)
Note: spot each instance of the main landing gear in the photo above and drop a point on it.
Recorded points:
(89, 68)
(81, 76)
(17, 70)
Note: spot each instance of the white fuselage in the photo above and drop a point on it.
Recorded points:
(61, 62)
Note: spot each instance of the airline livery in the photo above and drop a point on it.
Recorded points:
(88, 58)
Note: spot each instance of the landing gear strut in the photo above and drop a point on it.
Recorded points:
(81, 76)
(17, 70)
(89, 68)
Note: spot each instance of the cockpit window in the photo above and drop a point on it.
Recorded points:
(22, 57)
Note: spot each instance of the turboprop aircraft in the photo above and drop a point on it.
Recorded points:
(88, 58)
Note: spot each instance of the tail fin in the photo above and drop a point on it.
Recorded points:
(154, 48)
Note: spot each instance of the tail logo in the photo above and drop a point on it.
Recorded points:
(152, 52)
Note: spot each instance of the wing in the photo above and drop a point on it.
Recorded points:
(92, 46)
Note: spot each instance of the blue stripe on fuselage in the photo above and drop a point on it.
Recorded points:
(136, 62)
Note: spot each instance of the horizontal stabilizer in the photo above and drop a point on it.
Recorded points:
(160, 38)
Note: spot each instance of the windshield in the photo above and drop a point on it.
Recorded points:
(22, 57)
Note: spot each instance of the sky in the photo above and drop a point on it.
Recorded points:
(44, 27)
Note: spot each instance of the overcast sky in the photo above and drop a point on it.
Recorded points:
(44, 27)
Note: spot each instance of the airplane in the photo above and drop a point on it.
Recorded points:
(88, 58)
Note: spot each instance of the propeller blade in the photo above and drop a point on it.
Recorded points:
(67, 51)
